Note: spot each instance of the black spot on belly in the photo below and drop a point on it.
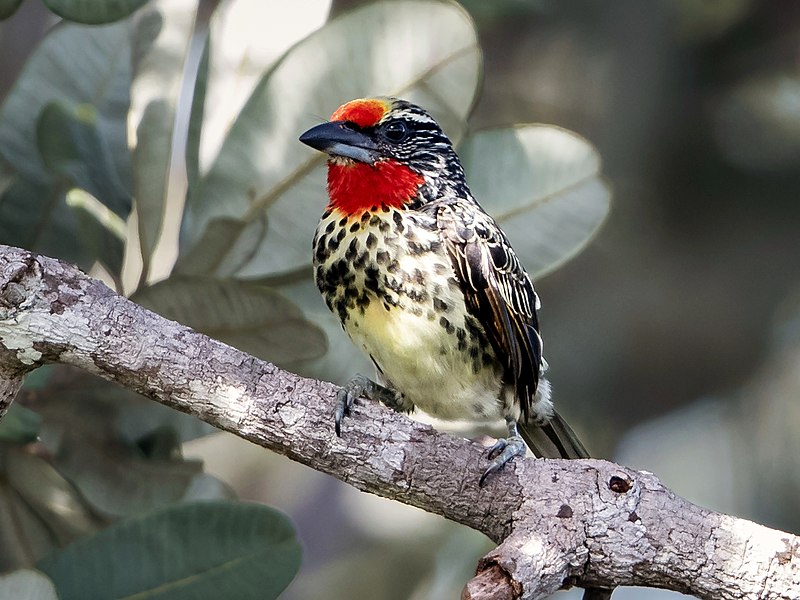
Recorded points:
(359, 262)
(371, 275)
(355, 227)
(352, 249)
(383, 226)
(398, 221)
(416, 248)
(375, 221)
(371, 240)
(321, 252)
(441, 306)
(447, 325)
(382, 256)
(330, 227)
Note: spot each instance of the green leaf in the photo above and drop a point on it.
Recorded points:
(36, 216)
(8, 8)
(76, 66)
(252, 35)
(161, 43)
(119, 480)
(94, 12)
(226, 245)
(101, 232)
(196, 115)
(424, 51)
(253, 318)
(20, 425)
(73, 65)
(197, 551)
(71, 147)
(543, 185)
(27, 584)
(39, 510)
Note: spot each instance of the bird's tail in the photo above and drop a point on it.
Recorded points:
(554, 439)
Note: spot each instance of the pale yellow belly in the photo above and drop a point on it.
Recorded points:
(421, 361)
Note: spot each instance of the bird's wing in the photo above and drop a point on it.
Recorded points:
(497, 291)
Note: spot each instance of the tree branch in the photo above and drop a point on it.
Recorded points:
(588, 522)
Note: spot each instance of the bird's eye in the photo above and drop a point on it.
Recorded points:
(395, 131)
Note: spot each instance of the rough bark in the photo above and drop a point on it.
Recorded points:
(557, 523)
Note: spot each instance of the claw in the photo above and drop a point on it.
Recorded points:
(503, 451)
(360, 386)
(345, 398)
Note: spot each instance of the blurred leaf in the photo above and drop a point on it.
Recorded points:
(208, 487)
(93, 12)
(71, 147)
(226, 245)
(246, 37)
(543, 185)
(118, 480)
(6, 176)
(87, 71)
(73, 65)
(102, 232)
(425, 51)
(8, 8)
(757, 123)
(703, 21)
(36, 217)
(253, 318)
(39, 378)
(196, 115)
(160, 45)
(20, 425)
(192, 551)
(82, 403)
(27, 584)
(40, 510)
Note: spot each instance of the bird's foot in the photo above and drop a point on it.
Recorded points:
(502, 452)
(360, 386)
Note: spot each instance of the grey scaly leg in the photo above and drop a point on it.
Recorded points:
(504, 450)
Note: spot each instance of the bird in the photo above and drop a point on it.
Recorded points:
(427, 284)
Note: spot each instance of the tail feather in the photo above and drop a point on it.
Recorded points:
(554, 439)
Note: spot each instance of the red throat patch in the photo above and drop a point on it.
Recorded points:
(354, 188)
(364, 112)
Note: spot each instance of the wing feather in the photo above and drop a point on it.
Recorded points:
(497, 292)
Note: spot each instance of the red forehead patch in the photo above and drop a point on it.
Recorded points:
(364, 112)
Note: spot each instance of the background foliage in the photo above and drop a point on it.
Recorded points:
(159, 151)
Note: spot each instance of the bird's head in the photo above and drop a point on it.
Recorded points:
(385, 152)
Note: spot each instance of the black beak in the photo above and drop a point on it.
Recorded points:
(338, 139)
